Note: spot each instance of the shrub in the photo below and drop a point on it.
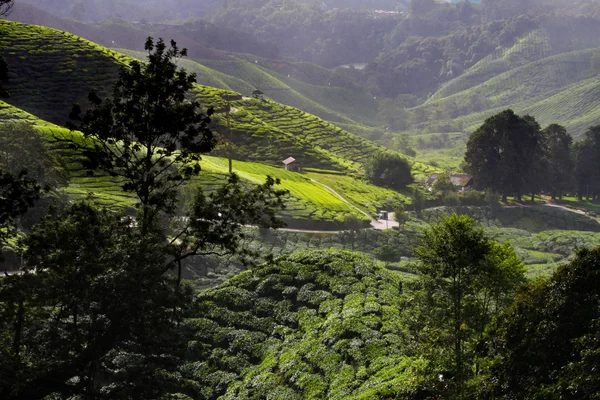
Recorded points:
(474, 198)
(389, 170)
(450, 199)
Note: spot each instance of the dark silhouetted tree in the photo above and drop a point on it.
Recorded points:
(559, 160)
(587, 164)
(504, 154)
(389, 170)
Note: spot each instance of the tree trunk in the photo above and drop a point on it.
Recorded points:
(504, 199)
(533, 197)
(19, 328)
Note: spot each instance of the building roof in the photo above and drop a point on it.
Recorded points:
(461, 180)
(289, 161)
(431, 180)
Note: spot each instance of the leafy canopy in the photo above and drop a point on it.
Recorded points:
(148, 133)
(389, 170)
(503, 152)
(465, 279)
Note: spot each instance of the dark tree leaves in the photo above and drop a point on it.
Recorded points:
(389, 170)
(148, 133)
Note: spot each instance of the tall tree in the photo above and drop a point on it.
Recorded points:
(503, 154)
(151, 136)
(465, 276)
(559, 160)
(96, 312)
(587, 164)
(148, 133)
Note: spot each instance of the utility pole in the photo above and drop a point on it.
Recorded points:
(229, 144)
(229, 138)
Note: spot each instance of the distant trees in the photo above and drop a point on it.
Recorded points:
(587, 164)
(558, 160)
(389, 170)
(422, 6)
(511, 155)
(502, 154)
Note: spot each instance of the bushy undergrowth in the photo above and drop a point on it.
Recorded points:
(311, 325)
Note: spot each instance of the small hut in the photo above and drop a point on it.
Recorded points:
(290, 164)
(462, 182)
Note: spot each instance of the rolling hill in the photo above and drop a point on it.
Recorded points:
(51, 69)
(311, 325)
(309, 87)
(532, 76)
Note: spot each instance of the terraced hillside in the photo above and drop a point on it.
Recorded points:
(528, 77)
(309, 200)
(262, 333)
(306, 86)
(50, 70)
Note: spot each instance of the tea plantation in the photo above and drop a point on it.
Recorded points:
(311, 325)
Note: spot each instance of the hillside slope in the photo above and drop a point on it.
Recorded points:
(50, 70)
(532, 76)
(306, 86)
(311, 325)
(309, 204)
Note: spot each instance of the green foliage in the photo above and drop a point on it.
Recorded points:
(23, 148)
(418, 200)
(400, 214)
(311, 325)
(504, 153)
(546, 345)
(587, 163)
(93, 312)
(443, 184)
(147, 133)
(466, 279)
(387, 253)
(17, 194)
(559, 160)
(336, 37)
(389, 170)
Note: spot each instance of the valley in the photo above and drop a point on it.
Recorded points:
(267, 203)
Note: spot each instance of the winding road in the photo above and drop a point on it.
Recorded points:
(377, 224)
